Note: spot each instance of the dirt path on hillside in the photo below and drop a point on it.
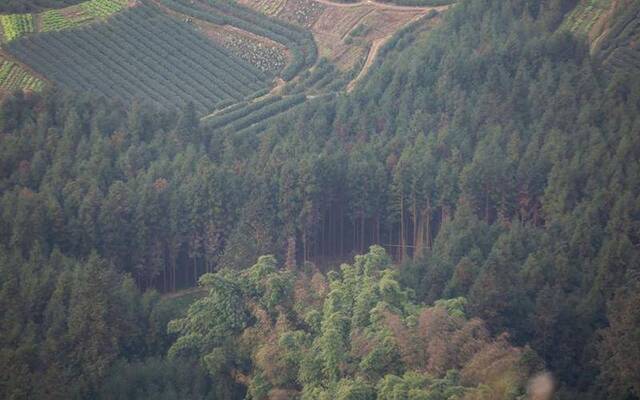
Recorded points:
(356, 23)
(373, 53)
(376, 44)
(280, 83)
(381, 6)
(375, 48)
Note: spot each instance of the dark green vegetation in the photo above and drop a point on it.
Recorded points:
(141, 53)
(23, 6)
(66, 325)
(495, 158)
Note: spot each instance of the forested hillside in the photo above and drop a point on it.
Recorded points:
(464, 222)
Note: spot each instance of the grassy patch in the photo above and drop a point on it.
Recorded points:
(16, 25)
(14, 77)
(585, 15)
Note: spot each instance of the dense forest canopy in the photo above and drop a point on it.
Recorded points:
(464, 222)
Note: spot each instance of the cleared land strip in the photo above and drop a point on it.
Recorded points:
(373, 52)
(377, 40)
(253, 113)
(380, 5)
(371, 56)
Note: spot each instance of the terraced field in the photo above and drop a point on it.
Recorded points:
(240, 117)
(268, 56)
(299, 41)
(216, 55)
(346, 35)
(246, 122)
(267, 7)
(13, 76)
(31, 6)
(15, 26)
(70, 17)
(143, 53)
(341, 20)
(332, 23)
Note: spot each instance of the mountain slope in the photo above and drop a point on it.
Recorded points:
(492, 161)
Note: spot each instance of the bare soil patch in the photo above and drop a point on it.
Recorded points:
(268, 7)
(339, 21)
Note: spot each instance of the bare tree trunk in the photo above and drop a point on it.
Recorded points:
(291, 253)
(427, 220)
(195, 270)
(341, 232)
(164, 269)
(323, 241)
(186, 275)
(304, 245)
(402, 241)
(392, 250)
(446, 211)
(173, 268)
(414, 209)
(354, 243)
(418, 245)
(428, 232)
(332, 235)
(362, 233)
(486, 208)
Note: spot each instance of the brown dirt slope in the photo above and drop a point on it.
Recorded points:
(348, 34)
